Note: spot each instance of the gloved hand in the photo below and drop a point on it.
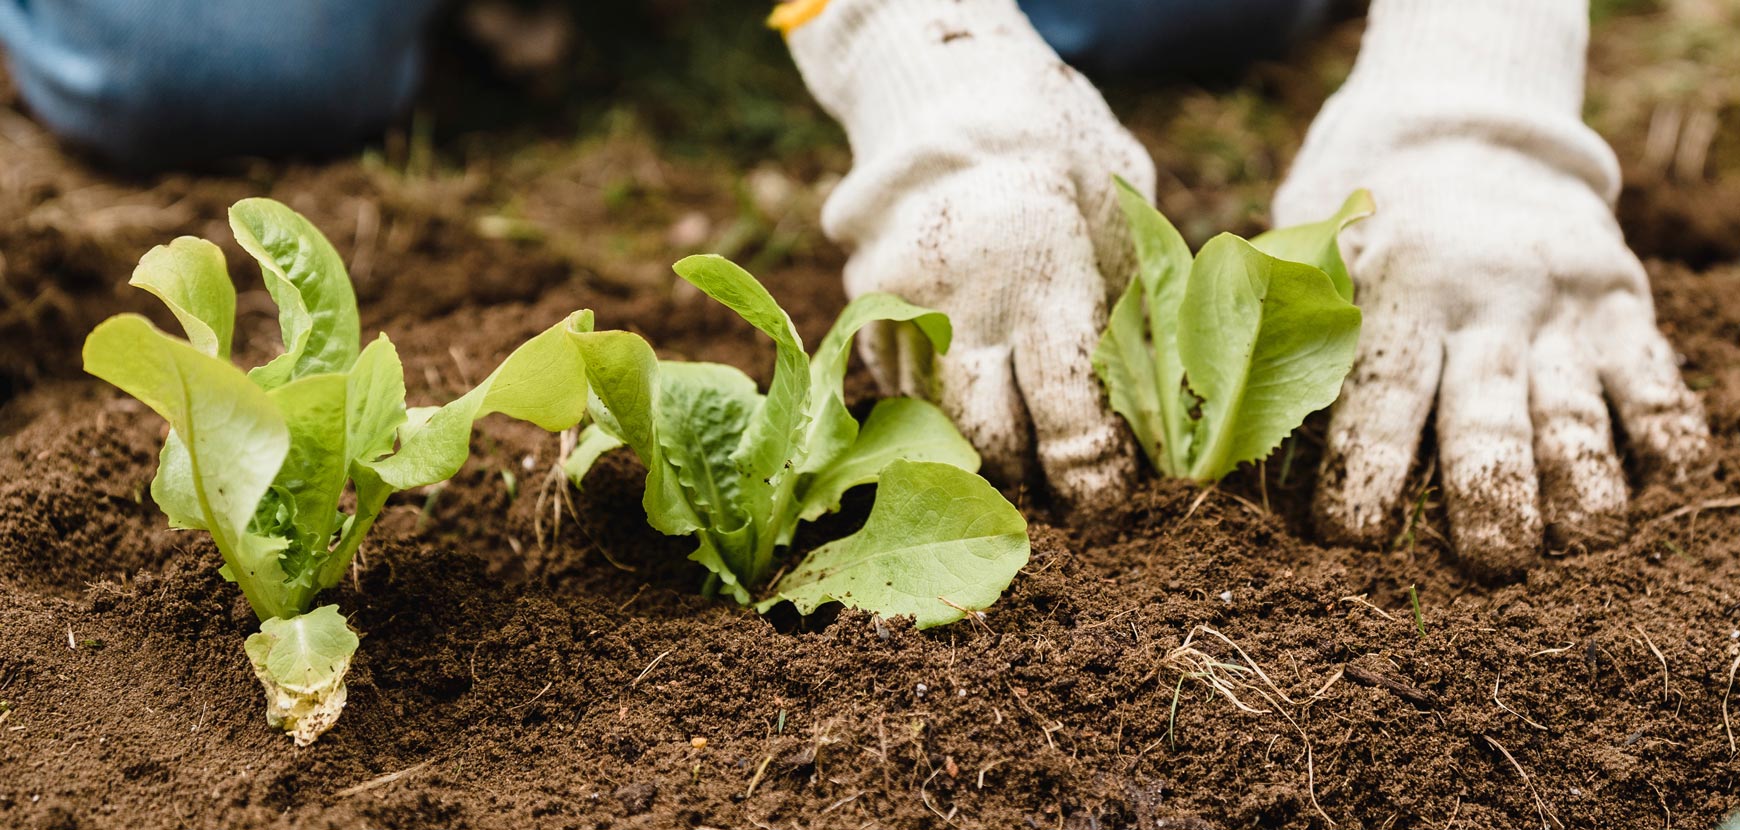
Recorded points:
(1494, 278)
(982, 186)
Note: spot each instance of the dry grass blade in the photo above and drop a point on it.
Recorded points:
(556, 481)
(1540, 803)
(649, 667)
(924, 796)
(1667, 690)
(1241, 684)
(1360, 599)
(1728, 726)
(553, 481)
(1194, 504)
(1713, 504)
(1525, 718)
(756, 781)
(382, 781)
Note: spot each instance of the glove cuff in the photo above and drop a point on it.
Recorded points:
(1523, 53)
(876, 65)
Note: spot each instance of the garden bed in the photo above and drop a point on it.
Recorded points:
(520, 671)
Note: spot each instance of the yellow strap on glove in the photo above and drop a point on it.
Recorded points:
(791, 14)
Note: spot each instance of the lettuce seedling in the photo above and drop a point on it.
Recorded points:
(739, 470)
(1214, 360)
(262, 460)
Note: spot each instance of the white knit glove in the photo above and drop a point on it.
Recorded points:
(1493, 277)
(982, 186)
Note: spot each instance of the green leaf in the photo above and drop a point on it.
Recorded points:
(1163, 271)
(307, 279)
(703, 411)
(543, 381)
(898, 429)
(337, 422)
(593, 444)
(1124, 362)
(939, 540)
(234, 437)
(1264, 342)
(301, 662)
(624, 377)
(172, 487)
(772, 446)
(832, 429)
(774, 440)
(1317, 243)
(375, 401)
(190, 277)
(710, 555)
(313, 476)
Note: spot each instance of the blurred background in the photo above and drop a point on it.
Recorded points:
(563, 145)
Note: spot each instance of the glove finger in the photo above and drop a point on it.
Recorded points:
(978, 392)
(1583, 490)
(1374, 431)
(1663, 420)
(1114, 252)
(1485, 448)
(1083, 448)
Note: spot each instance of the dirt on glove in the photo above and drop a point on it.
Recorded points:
(1194, 662)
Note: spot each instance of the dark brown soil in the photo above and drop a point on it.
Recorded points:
(582, 682)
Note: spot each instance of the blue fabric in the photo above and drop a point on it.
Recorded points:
(153, 83)
(1130, 36)
(162, 82)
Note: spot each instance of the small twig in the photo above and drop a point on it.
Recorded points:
(759, 771)
(534, 697)
(630, 600)
(1560, 650)
(1226, 678)
(1540, 804)
(1726, 725)
(381, 781)
(1255, 509)
(987, 768)
(1310, 769)
(649, 667)
(1263, 483)
(924, 796)
(841, 803)
(1200, 498)
(1713, 504)
(1666, 689)
(1055, 725)
(1367, 603)
(1406, 691)
(553, 479)
(975, 616)
(1525, 718)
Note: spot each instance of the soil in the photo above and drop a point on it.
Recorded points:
(1196, 662)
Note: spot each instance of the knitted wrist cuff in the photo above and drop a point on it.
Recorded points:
(871, 63)
(1526, 53)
